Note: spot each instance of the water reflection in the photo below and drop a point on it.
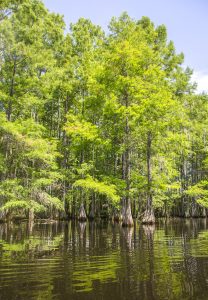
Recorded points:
(94, 260)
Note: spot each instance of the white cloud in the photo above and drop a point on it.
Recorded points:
(202, 81)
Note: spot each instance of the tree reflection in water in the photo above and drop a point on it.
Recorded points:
(92, 260)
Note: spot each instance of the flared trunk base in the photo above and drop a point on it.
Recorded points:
(127, 220)
(149, 217)
(82, 217)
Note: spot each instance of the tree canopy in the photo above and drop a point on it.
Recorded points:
(108, 122)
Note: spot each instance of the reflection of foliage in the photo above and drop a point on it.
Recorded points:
(102, 268)
(163, 261)
(154, 263)
(168, 251)
(199, 246)
(30, 246)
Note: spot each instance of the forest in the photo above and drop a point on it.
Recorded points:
(97, 124)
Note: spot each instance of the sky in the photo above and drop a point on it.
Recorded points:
(186, 22)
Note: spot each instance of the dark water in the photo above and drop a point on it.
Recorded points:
(104, 261)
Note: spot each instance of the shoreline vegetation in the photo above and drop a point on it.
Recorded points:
(97, 125)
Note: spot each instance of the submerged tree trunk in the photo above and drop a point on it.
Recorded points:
(149, 217)
(82, 217)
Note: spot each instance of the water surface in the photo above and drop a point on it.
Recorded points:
(98, 261)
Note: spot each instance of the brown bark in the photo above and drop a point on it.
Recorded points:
(127, 219)
(31, 218)
(11, 93)
(92, 208)
(31, 215)
(149, 217)
(82, 214)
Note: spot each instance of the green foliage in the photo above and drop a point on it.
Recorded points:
(87, 104)
(77, 127)
(109, 190)
(199, 192)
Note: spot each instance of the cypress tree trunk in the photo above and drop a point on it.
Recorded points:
(123, 200)
(31, 218)
(31, 215)
(127, 219)
(82, 217)
(92, 208)
(149, 217)
(11, 93)
(8, 216)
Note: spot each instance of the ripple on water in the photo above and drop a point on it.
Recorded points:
(66, 262)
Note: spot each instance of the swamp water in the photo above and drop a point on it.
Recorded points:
(98, 261)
